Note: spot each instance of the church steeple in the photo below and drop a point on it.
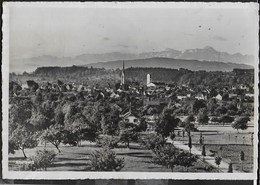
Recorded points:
(123, 74)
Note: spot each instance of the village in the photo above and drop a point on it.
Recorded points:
(209, 119)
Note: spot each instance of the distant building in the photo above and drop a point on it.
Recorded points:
(200, 96)
(181, 97)
(151, 122)
(149, 84)
(129, 117)
(123, 75)
(219, 97)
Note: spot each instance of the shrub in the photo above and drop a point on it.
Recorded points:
(152, 141)
(43, 159)
(215, 119)
(166, 156)
(108, 141)
(26, 165)
(169, 156)
(105, 160)
(21, 138)
(128, 135)
(70, 137)
(218, 160)
(241, 123)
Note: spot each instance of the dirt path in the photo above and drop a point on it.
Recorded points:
(223, 167)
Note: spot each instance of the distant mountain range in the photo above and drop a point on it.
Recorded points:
(206, 54)
(193, 65)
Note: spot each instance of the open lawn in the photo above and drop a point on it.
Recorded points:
(77, 159)
(229, 139)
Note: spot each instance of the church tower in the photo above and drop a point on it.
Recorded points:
(123, 74)
(148, 79)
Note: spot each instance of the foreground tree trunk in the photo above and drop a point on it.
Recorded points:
(57, 147)
(25, 157)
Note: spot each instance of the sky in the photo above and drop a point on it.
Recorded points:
(73, 30)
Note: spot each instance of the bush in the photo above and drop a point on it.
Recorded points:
(26, 165)
(108, 141)
(166, 156)
(105, 160)
(152, 141)
(241, 123)
(128, 135)
(70, 137)
(218, 160)
(43, 159)
(169, 156)
(215, 119)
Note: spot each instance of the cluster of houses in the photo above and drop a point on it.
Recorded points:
(154, 94)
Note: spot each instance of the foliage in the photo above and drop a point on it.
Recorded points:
(21, 138)
(202, 116)
(54, 134)
(70, 137)
(43, 159)
(105, 160)
(128, 135)
(110, 120)
(166, 123)
(241, 123)
(108, 141)
(19, 113)
(40, 121)
(226, 119)
(221, 110)
(168, 156)
(197, 105)
(186, 159)
(188, 125)
(215, 119)
(218, 160)
(152, 141)
(142, 125)
(128, 132)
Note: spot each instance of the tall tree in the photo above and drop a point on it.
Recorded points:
(167, 123)
(197, 105)
(54, 135)
(128, 133)
(202, 116)
(23, 137)
(241, 123)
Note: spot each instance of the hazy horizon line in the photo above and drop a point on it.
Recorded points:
(133, 53)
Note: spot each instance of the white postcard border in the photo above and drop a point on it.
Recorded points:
(115, 175)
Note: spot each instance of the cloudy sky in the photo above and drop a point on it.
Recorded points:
(60, 30)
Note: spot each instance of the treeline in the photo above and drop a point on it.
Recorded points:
(70, 72)
(191, 78)
(179, 76)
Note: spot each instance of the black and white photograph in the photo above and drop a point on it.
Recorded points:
(130, 90)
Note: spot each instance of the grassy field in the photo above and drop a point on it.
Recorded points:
(230, 140)
(139, 159)
(77, 159)
(231, 153)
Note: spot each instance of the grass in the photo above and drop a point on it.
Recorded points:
(230, 140)
(137, 159)
(231, 153)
